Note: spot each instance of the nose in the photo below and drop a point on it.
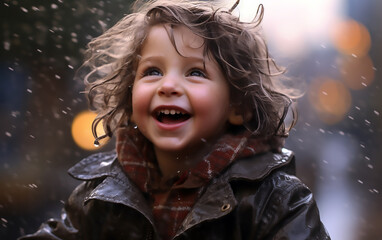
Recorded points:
(170, 86)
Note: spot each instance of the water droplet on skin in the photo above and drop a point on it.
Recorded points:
(135, 127)
(96, 143)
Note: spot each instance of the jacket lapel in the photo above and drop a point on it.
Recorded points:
(218, 199)
(115, 187)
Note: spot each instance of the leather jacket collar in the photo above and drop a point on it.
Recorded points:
(218, 199)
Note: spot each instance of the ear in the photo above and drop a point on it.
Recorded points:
(235, 118)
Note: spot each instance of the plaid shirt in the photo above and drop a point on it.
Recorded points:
(173, 200)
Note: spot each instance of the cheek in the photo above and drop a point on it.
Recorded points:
(140, 104)
(213, 104)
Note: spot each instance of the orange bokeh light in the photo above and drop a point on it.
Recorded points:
(330, 98)
(82, 133)
(357, 73)
(351, 38)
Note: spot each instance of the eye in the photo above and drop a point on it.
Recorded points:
(152, 72)
(197, 73)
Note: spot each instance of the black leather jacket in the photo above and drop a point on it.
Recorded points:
(255, 198)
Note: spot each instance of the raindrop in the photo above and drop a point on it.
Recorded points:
(31, 136)
(370, 166)
(360, 181)
(39, 50)
(28, 90)
(8, 134)
(367, 158)
(24, 9)
(367, 122)
(54, 6)
(35, 8)
(341, 133)
(373, 190)
(350, 117)
(11, 69)
(358, 108)
(7, 46)
(57, 76)
(203, 140)
(15, 113)
(64, 112)
(322, 130)
(376, 112)
(354, 55)
(362, 146)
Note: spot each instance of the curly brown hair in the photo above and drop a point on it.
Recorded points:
(237, 47)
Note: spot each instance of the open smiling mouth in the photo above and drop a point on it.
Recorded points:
(172, 116)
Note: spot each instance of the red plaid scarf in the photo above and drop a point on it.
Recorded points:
(170, 205)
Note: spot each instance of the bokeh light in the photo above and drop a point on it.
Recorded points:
(351, 38)
(357, 72)
(330, 98)
(82, 133)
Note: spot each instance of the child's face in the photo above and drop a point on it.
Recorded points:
(177, 103)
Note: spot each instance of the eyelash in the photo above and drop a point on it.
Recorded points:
(202, 74)
(150, 70)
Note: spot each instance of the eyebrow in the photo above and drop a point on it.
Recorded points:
(159, 57)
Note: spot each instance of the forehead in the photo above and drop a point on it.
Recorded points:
(183, 39)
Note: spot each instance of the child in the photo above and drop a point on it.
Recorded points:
(189, 91)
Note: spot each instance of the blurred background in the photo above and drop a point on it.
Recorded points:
(332, 47)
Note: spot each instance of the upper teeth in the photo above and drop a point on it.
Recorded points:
(172, 111)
